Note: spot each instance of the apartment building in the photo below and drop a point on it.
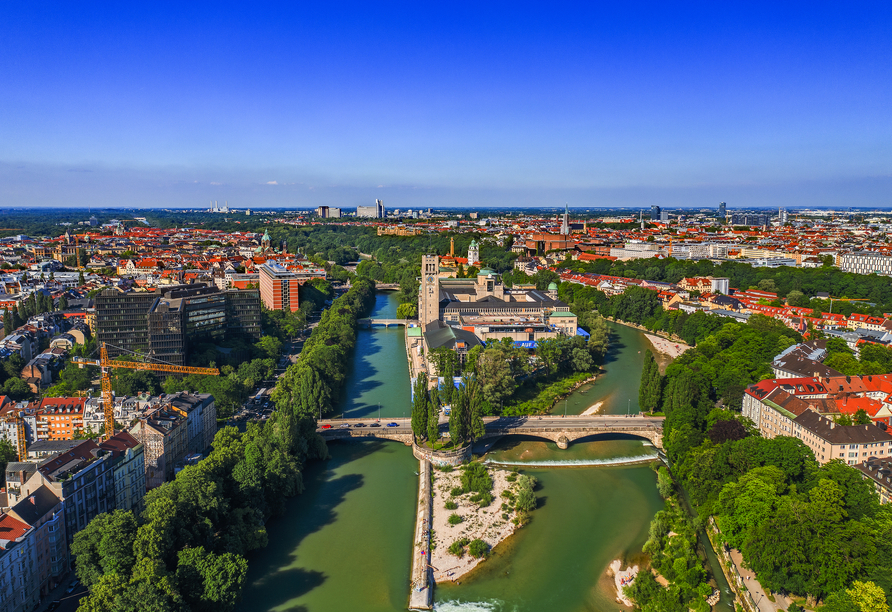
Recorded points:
(163, 433)
(879, 472)
(18, 566)
(850, 444)
(59, 418)
(44, 512)
(128, 470)
(201, 418)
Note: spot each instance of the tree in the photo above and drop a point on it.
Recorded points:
(17, 389)
(650, 388)
(420, 407)
(476, 427)
(63, 303)
(726, 431)
(407, 310)
(862, 597)
(862, 418)
(105, 546)
(7, 453)
(459, 418)
(494, 375)
(7, 322)
(210, 582)
(270, 347)
(433, 416)
(81, 281)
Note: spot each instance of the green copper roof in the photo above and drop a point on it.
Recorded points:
(552, 287)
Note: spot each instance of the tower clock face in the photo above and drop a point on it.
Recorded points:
(430, 279)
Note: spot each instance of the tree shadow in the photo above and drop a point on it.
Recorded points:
(274, 578)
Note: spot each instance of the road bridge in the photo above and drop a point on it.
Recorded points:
(387, 286)
(560, 430)
(385, 322)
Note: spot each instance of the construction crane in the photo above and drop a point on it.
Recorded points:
(106, 365)
(21, 442)
(833, 299)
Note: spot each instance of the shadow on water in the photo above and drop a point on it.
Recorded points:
(277, 564)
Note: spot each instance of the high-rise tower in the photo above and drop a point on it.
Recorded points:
(429, 290)
(565, 226)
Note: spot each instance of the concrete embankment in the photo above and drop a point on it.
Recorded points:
(421, 596)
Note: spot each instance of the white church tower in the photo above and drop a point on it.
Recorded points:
(473, 253)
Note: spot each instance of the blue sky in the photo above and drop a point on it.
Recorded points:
(510, 104)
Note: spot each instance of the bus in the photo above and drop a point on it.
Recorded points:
(258, 399)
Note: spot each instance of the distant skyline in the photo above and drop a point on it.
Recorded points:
(485, 104)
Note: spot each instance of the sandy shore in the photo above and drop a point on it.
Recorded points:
(667, 347)
(621, 578)
(593, 409)
(484, 523)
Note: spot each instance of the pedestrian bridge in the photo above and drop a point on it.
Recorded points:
(385, 322)
(560, 430)
(387, 286)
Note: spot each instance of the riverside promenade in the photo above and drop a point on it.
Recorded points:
(421, 595)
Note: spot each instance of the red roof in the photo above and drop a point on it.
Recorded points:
(11, 530)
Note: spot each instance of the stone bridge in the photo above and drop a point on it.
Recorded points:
(385, 322)
(560, 430)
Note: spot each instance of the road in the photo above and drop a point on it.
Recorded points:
(567, 423)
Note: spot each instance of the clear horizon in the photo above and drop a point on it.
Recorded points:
(497, 106)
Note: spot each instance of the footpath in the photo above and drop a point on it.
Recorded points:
(421, 596)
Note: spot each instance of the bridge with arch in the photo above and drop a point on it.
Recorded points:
(560, 430)
(385, 322)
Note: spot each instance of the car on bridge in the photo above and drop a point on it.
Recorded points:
(375, 425)
(393, 424)
(326, 426)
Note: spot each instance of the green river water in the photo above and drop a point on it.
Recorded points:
(344, 545)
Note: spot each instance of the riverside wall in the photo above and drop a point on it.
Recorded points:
(421, 597)
(442, 458)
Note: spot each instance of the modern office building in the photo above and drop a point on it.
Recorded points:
(279, 287)
(374, 212)
(723, 211)
(751, 219)
(121, 320)
(865, 262)
(655, 213)
(162, 323)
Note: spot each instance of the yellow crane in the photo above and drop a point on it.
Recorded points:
(833, 299)
(106, 365)
(22, 442)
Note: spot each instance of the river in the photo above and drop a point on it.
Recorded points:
(345, 544)
(618, 387)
